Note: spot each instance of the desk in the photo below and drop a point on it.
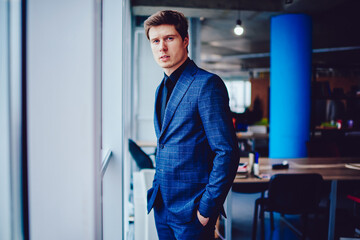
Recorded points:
(331, 169)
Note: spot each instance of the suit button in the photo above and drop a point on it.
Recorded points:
(161, 146)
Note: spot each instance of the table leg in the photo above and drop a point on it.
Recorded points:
(228, 220)
(332, 210)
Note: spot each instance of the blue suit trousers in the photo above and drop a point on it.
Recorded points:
(168, 229)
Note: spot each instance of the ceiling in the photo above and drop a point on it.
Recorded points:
(336, 31)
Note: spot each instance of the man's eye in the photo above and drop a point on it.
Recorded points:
(170, 38)
(155, 41)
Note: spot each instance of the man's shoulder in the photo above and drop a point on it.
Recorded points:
(208, 78)
(204, 74)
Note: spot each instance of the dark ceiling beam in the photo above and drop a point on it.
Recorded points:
(250, 5)
(310, 6)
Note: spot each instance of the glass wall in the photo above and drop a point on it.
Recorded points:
(78, 83)
(5, 196)
(116, 106)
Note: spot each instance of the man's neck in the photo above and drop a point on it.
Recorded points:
(169, 71)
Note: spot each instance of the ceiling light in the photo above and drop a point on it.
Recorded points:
(238, 30)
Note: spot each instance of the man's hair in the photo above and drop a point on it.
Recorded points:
(177, 19)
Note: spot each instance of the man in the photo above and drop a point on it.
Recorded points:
(197, 152)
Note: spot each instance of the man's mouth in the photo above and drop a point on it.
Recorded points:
(165, 57)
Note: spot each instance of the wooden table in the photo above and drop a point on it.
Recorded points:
(331, 169)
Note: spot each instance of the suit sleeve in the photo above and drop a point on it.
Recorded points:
(216, 119)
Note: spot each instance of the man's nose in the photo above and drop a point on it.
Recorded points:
(163, 46)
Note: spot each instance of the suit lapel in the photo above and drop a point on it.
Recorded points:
(156, 115)
(184, 82)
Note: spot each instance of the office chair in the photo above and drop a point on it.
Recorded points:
(290, 194)
(141, 158)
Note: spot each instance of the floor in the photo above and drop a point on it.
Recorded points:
(243, 210)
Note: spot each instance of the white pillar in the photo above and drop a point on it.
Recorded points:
(63, 104)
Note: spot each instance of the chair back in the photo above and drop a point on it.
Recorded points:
(294, 193)
(141, 158)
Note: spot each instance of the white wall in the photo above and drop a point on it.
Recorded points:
(64, 119)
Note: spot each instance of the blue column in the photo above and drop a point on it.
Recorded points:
(290, 79)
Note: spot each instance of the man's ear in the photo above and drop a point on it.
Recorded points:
(186, 41)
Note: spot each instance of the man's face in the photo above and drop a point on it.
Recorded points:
(168, 48)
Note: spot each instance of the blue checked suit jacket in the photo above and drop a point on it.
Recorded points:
(197, 151)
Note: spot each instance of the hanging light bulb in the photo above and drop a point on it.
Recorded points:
(238, 30)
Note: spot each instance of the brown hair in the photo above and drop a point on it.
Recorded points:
(177, 19)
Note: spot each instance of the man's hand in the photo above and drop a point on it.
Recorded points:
(202, 220)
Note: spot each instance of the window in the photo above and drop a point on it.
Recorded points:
(239, 93)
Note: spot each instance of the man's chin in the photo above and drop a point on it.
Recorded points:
(165, 65)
